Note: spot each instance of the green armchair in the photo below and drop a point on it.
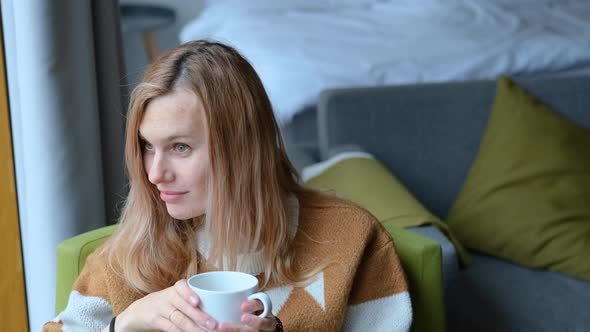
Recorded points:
(421, 259)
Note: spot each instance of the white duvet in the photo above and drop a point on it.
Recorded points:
(300, 47)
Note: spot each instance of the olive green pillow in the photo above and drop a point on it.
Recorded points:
(527, 195)
(360, 178)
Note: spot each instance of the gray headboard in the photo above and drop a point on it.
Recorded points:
(428, 134)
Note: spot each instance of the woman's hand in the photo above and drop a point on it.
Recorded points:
(173, 309)
(250, 320)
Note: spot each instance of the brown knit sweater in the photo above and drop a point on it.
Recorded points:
(363, 290)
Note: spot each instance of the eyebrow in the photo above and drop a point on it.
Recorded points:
(169, 138)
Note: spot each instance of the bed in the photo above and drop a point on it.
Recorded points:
(301, 47)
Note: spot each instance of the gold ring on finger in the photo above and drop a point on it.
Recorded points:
(172, 313)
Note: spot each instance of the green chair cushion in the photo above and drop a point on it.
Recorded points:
(71, 256)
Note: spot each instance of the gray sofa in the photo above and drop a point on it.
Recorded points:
(428, 135)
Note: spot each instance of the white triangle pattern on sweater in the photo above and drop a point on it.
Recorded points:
(316, 290)
(278, 297)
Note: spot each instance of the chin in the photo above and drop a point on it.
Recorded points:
(182, 214)
(178, 214)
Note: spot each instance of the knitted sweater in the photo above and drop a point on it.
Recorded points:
(364, 290)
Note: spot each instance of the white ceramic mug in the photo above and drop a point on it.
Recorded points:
(222, 293)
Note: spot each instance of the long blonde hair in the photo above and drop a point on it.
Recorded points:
(251, 180)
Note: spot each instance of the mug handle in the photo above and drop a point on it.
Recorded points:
(266, 302)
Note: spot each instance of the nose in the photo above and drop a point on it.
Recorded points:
(158, 170)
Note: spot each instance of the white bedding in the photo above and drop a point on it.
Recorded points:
(300, 47)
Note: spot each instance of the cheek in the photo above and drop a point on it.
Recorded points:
(147, 164)
(195, 173)
(201, 177)
(203, 174)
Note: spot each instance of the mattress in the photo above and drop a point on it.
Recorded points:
(300, 48)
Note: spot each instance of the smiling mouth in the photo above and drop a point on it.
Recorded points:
(171, 196)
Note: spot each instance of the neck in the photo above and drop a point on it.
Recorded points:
(252, 262)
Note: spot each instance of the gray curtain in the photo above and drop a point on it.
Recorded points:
(112, 101)
(67, 101)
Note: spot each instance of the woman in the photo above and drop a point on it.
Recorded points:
(208, 171)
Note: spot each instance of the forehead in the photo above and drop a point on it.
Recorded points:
(178, 112)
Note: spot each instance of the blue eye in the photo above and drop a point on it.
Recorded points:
(147, 146)
(182, 148)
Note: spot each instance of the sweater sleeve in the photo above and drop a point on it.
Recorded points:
(379, 299)
(88, 307)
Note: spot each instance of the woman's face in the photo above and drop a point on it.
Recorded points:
(176, 153)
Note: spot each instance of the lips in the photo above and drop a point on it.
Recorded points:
(171, 196)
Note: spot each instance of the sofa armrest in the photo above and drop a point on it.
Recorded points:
(422, 261)
(449, 253)
(71, 256)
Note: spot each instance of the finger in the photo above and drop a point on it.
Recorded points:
(227, 327)
(252, 306)
(259, 323)
(183, 289)
(181, 322)
(163, 324)
(194, 314)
